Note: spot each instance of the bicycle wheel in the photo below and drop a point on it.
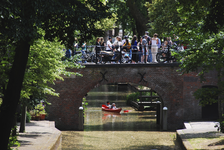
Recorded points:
(159, 57)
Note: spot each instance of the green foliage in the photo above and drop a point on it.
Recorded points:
(131, 15)
(44, 66)
(163, 17)
(207, 96)
(132, 97)
(19, 29)
(40, 109)
(200, 29)
(84, 105)
(57, 18)
(13, 140)
(107, 23)
(28, 117)
(135, 97)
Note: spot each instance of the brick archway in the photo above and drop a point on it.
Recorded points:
(162, 78)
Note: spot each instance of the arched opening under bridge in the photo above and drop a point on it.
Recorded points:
(130, 118)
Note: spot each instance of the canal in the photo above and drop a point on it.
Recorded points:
(128, 130)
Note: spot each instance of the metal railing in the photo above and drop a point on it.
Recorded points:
(122, 54)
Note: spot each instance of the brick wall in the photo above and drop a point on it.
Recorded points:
(175, 90)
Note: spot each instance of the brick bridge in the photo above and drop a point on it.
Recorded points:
(176, 91)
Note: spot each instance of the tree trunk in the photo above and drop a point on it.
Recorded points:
(12, 93)
(140, 19)
(13, 126)
(23, 119)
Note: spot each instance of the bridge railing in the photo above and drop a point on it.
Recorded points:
(123, 54)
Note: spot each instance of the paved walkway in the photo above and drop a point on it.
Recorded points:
(200, 135)
(40, 135)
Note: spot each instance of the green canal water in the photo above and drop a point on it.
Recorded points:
(127, 130)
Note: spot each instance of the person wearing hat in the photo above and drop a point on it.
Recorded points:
(109, 44)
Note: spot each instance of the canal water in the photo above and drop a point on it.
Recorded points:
(128, 130)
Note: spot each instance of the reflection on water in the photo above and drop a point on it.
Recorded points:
(104, 93)
(127, 130)
(98, 120)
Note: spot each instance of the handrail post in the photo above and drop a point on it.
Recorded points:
(165, 118)
(158, 103)
(120, 55)
(96, 54)
(81, 118)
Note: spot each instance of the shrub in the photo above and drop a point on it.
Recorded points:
(132, 97)
(28, 117)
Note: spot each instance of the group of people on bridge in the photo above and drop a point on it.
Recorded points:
(134, 51)
(144, 50)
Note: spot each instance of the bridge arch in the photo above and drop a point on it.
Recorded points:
(163, 78)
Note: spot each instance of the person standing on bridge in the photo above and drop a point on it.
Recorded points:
(109, 44)
(97, 48)
(144, 49)
(154, 47)
(134, 49)
(149, 57)
(102, 44)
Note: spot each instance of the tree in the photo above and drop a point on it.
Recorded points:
(163, 16)
(206, 44)
(20, 20)
(131, 14)
(44, 66)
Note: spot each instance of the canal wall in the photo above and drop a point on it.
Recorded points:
(175, 90)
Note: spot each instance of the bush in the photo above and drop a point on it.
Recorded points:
(132, 97)
(28, 117)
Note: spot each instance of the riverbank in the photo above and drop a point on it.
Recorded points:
(200, 135)
(40, 135)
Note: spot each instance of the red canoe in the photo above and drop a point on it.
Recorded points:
(105, 108)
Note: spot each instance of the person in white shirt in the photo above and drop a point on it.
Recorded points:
(109, 45)
(113, 106)
(117, 43)
(154, 47)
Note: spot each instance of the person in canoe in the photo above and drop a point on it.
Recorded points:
(113, 106)
(108, 105)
